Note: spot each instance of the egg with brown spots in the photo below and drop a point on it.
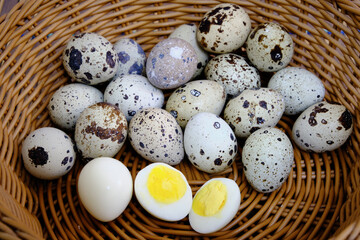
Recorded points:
(269, 47)
(90, 58)
(100, 131)
(322, 127)
(267, 158)
(254, 109)
(224, 28)
(210, 144)
(156, 136)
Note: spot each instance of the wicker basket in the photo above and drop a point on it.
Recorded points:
(321, 198)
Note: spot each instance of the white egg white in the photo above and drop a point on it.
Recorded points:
(210, 224)
(167, 212)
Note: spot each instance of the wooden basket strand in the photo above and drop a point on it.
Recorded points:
(321, 198)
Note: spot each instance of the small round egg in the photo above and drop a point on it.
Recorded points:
(269, 47)
(233, 72)
(69, 101)
(194, 97)
(48, 153)
(100, 131)
(209, 142)
(105, 188)
(214, 205)
(254, 109)
(224, 28)
(90, 58)
(267, 157)
(299, 87)
(187, 32)
(132, 93)
(171, 63)
(131, 56)
(156, 136)
(322, 127)
(163, 191)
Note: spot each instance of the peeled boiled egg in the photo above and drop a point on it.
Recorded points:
(163, 191)
(215, 204)
(105, 188)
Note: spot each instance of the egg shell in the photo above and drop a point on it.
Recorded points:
(254, 109)
(209, 142)
(269, 47)
(204, 224)
(105, 188)
(267, 157)
(299, 87)
(168, 212)
(100, 131)
(90, 58)
(156, 136)
(131, 56)
(48, 153)
(224, 28)
(69, 101)
(233, 72)
(322, 127)
(187, 32)
(132, 93)
(194, 97)
(171, 63)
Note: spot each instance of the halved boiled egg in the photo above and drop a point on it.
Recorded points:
(214, 205)
(163, 191)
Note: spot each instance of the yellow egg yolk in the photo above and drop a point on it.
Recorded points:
(210, 199)
(165, 184)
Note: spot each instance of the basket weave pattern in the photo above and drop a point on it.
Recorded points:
(322, 195)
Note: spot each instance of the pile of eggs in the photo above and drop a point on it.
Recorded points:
(218, 98)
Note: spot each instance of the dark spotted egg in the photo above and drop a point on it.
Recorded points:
(90, 58)
(48, 153)
(322, 127)
(210, 144)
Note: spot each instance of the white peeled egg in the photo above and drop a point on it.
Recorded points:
(163, 191)
(105, 188)
(215, 204)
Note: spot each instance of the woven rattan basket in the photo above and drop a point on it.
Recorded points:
(321, 198)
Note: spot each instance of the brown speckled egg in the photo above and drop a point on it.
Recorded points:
(90, 58)
(233, 72)
(322, 127)
(224, 28)
(100, 131)
(269, 47)
(156, 136)
(171, 63)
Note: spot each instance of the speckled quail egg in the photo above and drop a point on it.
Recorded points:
(187, 32)
(132, 93)
(299, 87)
(233, 72)
(215, 204)
(267, 157)
(322, 127)
(194, 97)
(269, 47)
(254, 109)
(209, 142)
(100, 131)
(171, 63)
(131, 56)
(224, 28)
(163, 191)
(90, 58)
(48, 153)
(69, 101)
(156, 136)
